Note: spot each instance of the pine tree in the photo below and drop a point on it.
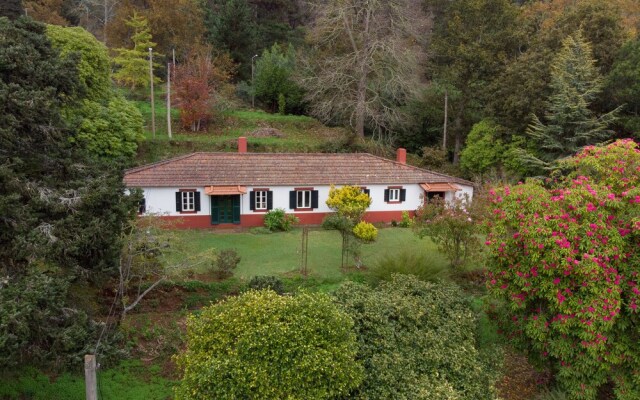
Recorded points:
(11, 9)
(568, 123)
(133, 63)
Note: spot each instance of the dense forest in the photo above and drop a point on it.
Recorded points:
(490, 90)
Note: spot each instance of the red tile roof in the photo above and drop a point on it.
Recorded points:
(279, 169)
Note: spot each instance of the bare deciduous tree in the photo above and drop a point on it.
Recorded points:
(364, 61)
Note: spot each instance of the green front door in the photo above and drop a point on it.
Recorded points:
(225, 209)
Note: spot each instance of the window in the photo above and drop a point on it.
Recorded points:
(395, 194)
(261, 200)
(304, 199)
(142, 206)
(187, 201)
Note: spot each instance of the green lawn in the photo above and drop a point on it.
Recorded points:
(279, 253)
(130, 380)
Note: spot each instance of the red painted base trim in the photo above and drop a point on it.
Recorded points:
(253, 220)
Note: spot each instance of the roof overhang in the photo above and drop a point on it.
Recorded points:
(224, 190)
(440, 187)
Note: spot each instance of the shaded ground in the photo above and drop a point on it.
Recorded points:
(520, 381)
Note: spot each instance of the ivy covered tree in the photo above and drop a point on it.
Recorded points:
(564, 263)
(569, 124)
(134, 63)
(261, 345)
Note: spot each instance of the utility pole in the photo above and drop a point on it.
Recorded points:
(153, 105)
(446, 110)
(169, 99)
(253, 88)
(90, 382)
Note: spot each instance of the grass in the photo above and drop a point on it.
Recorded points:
(130, 380)
(280, 253)
(300, 133)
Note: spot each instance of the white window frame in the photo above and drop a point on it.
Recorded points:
(260, 200)
(188, 201)
(394, 195)
(303, 198)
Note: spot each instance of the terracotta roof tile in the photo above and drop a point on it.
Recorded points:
(279, 169)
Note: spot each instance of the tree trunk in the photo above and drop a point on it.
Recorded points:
(360, 104)
(458, 134)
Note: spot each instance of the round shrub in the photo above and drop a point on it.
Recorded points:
(267, 282)
(260, 345)
(365, 231)
(278, 220)
(416, 341)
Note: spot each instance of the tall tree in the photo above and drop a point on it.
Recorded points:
(364, 61)
(623, 85)
(11, 9)
(231, 28)
(470, 47)
(61, 210)
(133, 62)
(176, 24)
(569, 124)
(104, 123)
(274, 78)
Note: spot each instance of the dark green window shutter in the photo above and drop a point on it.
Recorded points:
(386, 195)
(215, 210)
(269, 200)
(292, 200)
(236, 209)
(314, 199)
(252, 200)
(403, 194)
(196, 199)
(178, 201)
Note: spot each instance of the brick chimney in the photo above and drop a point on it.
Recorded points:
(242, 144)
(401, 155)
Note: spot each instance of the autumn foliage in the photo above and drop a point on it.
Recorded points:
(195, 84)
(564, 261)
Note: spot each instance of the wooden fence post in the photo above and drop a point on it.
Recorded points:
(90, 377)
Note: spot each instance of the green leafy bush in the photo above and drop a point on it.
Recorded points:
(278, 220)
(261, 345)
(452, 226)
(416, 341)
(226, 261)
(407, 263)
(365, 231)
(267, 282)
(407, 221)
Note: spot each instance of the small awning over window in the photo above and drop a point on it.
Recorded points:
(440, 187)
(224, 190)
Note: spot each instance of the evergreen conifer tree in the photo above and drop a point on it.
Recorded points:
(11, 9)
(133, 63)
(568, 123)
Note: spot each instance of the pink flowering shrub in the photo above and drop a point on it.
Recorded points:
(564, 261)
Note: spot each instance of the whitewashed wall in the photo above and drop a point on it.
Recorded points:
(162, 200)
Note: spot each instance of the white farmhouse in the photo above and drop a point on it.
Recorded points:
(205, 190)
